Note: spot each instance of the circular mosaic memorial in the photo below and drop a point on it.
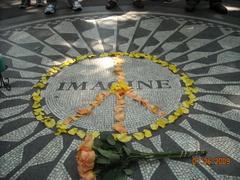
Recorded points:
(206, 51)
(78, 85)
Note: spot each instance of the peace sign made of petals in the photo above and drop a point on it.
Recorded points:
(120, 89)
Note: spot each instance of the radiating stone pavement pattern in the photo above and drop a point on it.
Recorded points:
(208, 51)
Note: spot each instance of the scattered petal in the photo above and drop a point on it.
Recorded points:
(154, 126)
(173, 68)
(119, 127)
(73, 131)
(138, 135)
(154, 109)
(172, 118)
(62, 126)
(36, 105)
(85, 111)
(147, 133)
(164, 63)
(81, 134)
(95, 134)
(192, 97)
(124, 137)
(184, 110)
(186, 104)
(39, 85)
(120, 116)
(36, 93)
(161, 123)
(39, 117)
(50, 123)
(60, 131)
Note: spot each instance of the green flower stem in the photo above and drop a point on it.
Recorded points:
(160, 155)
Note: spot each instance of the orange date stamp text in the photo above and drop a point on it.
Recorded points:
(211, 160)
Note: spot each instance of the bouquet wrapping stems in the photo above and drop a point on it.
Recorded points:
(161, 155)
(108, 159)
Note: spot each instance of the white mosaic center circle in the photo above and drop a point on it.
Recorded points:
(77, 86)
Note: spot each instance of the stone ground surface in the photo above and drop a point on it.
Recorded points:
(205, 45)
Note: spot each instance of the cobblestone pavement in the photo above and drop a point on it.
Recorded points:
(208, 50)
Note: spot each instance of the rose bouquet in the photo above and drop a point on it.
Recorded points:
(108, 159)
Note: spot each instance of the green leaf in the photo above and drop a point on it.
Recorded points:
(135, 152)
(108, 154)
(97, 171)
(127, 150)
(104, 136)
(97, 142)
(109, 175)
(111, 140)
(119, 147)
(121, 175)
(102, 160)
(128, 172)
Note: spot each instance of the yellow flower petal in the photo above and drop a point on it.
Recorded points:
(186, 104)
(154, 60)
(71, 61)
(161, 123)
(138, 135)
(73, 131)
(37, 98)
(178, 113)
(57, 133)
(192, 97)
(44, 79)
(39, 117)
(115, 136)
(50, 123)
(124, 137)
(44, 82)
(95, 134)
(173, 68)
(195, 90)
(91, 56)
(160, 61)
(64, 65)
(39, 85)
(184, 77)
(154, 126)
(36, 93)
(189, 82)
(164, 63)
(172, 118)
(184, 110)
(61, 125)
(80, 58)
(60, 131)
(104, 55)
(187, 91)
(81, 134)
(38, 113)
(54, 70)
(36, 105)
(147, 133)
(38, 110)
